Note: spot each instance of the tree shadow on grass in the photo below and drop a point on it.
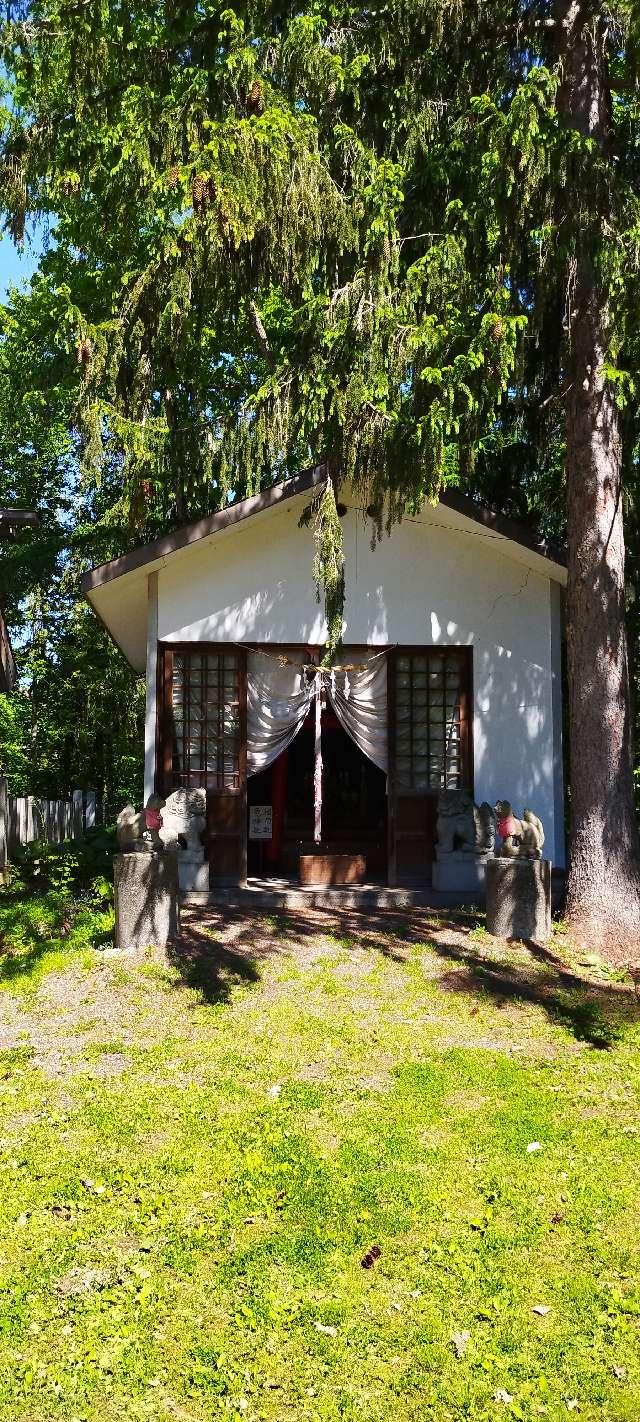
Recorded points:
(34, 938)
(385, 932)
(213, 967)
(209, 966)
(596, 1013)
(20, 967)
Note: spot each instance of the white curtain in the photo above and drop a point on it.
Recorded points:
(359, 699)
(278, 699)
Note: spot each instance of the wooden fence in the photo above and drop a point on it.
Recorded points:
(24, 818)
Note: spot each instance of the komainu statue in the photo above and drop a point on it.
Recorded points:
(138, 831)
(184, 822)
(184, 819)
(462, 827)
(520, 838)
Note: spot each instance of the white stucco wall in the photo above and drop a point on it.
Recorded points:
(428, 583)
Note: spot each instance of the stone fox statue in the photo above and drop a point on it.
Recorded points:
(140, 829)
(523, 837)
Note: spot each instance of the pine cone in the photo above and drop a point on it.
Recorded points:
(198, 190)
(84, 351)
(255, 101)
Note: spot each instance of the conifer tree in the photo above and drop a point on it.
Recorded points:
(369, 235)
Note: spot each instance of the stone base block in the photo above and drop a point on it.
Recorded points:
(146, 900)
(193, 872)
(452, 875)
(519, 898)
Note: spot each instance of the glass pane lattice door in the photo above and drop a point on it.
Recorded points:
(429, 692)
(205, 710)
(430, 749)
(204, 743)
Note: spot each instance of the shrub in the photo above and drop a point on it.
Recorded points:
(58, 898)
(73, 869)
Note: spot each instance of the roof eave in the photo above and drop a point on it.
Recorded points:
(155, 553)
(509, 528)
(152, 555)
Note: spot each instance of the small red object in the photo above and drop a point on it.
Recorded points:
(153, 819)
(507, 826)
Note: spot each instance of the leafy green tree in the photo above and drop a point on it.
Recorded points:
(15, 762)
(75, 720)
(401, 238)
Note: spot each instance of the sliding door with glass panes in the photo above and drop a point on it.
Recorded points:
(203, 743)
(430, 749)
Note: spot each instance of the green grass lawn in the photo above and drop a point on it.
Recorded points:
(199, 1159)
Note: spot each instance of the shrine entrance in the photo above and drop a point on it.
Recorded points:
(323, 775)
(281, 805)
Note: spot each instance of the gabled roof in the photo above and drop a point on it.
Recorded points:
(117, 590)
(190, 533)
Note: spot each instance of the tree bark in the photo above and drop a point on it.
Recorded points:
(603, 890)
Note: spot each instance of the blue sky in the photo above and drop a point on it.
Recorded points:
(16, 265)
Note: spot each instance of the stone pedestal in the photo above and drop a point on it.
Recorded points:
(459, 872)
(193, 870)
(146, 900)
(519, 898)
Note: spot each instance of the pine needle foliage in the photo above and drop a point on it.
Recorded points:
(328, 563)
(283, 236)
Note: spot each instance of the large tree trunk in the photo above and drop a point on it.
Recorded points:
(603, 892)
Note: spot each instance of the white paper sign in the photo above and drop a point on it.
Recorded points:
(260, 822)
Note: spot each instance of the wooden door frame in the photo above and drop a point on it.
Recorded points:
(164, 748)
(392, 649)
(465, 651)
